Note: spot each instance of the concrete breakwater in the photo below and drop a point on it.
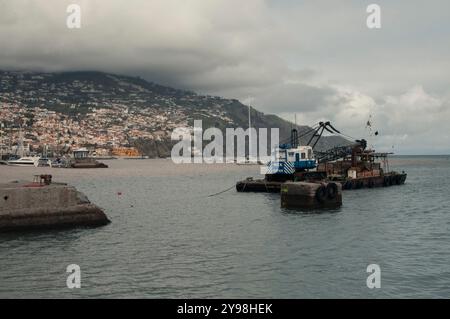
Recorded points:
(311, 195)
(25, 205)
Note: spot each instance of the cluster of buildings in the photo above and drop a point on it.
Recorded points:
(105, 129)
(47, 111)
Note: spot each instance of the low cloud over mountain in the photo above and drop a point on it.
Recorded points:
(317, 59)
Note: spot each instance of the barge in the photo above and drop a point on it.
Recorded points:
(265, 186)
(352, 166)
(81, 159)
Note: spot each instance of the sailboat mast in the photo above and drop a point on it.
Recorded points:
(1, 141)
(249, 132)
(20, 145)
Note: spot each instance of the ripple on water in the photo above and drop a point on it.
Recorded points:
(168, 239)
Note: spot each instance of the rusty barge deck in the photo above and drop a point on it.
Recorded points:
(264, 186)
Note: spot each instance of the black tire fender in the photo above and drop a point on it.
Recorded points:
(332, 190)
(391, 180)
(346, 185)
(350, 185)
(321, 194)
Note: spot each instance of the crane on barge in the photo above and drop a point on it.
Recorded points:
(290, 157)
(351, 164)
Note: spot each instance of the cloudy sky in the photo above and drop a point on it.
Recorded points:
(317, 59)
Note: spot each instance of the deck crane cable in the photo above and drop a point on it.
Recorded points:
(319, 132)
(325, 126)
(336, 152)
(304, 133)
(347, 136)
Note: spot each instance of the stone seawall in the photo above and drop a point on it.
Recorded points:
(32, 205)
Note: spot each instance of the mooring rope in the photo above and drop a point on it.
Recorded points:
(226, 190)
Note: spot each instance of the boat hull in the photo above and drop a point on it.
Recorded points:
(22, 164)
(264, 186)
(25, 162)
(89, 165)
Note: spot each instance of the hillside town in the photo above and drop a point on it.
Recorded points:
(106, 113)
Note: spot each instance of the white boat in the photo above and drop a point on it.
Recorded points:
(25, 161)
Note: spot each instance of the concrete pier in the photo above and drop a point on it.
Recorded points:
(311, 195)
(25, 205)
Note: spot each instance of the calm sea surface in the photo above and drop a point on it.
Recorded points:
(168, 239)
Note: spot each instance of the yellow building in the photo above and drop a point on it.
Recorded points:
(125, 151)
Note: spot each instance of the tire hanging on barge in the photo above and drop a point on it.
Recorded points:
(332, 190)
(321, 194)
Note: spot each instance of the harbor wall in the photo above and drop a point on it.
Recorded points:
(27, 205)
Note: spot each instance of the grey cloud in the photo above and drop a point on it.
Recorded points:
(295, 97)
(314, 58)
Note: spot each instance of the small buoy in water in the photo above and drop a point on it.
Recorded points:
(119, 193)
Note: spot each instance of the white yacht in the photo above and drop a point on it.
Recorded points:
(25, 161)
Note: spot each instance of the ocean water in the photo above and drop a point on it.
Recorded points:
(170, 239)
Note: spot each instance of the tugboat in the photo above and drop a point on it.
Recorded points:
(81, 159)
